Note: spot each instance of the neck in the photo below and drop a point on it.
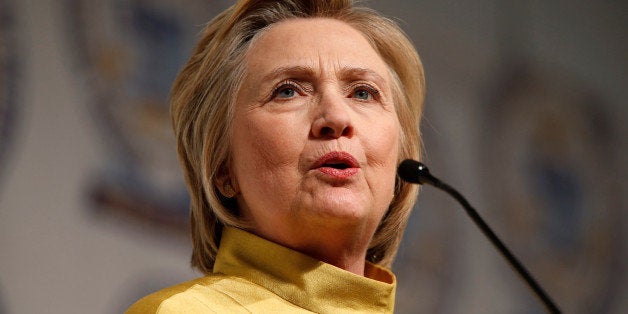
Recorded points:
(348, 252)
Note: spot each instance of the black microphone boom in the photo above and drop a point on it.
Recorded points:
(413, 171)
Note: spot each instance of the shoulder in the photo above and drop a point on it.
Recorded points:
(195, 296)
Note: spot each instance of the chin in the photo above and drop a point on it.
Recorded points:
(343, 209)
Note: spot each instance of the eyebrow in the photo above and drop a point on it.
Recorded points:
(346, 73)
(298, 71)
(351, 73)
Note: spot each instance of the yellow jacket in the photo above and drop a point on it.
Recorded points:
(253, 275)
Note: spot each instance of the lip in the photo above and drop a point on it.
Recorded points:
(340, 165)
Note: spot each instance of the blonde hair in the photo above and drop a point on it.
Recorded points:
(203, 97)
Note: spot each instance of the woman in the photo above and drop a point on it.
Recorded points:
(291, 117)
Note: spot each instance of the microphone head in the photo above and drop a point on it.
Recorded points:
(413, 171)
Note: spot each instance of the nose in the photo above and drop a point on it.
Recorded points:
(332, 119)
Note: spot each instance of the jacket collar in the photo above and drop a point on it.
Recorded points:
(302, 280)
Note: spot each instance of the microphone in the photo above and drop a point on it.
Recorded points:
(415, 172)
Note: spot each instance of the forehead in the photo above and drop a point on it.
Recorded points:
(314, 43)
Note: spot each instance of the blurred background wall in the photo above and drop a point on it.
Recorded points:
(526, 115)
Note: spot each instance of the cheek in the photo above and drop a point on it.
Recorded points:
(382, 150)
(264, 146)
(382, 144)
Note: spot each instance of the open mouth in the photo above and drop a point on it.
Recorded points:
(336, 165)
(337, 162)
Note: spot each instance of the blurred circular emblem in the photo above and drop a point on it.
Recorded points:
(129, 52)
(550, 151)
(8, 80)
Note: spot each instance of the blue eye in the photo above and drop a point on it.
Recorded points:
(362, 94)
(286, 92)
(365, 92)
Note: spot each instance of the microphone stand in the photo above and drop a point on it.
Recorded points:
(424, 176)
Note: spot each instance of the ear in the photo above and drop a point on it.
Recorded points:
(226, 183)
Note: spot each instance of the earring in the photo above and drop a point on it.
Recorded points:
(227, 190)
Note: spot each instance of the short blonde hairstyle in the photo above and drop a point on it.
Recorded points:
(203, 99)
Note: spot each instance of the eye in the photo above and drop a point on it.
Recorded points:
(285, 90)
(364, 93)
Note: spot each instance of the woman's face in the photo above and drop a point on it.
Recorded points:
(315, 133)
